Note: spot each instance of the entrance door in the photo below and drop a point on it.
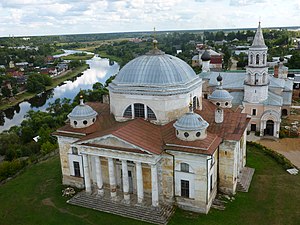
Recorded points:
(269, 128)
(130, 182)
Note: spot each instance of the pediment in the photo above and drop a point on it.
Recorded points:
(113, 141)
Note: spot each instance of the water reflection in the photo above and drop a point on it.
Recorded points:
(99, 71)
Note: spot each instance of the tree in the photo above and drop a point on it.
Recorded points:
(47, 147)
(6, 92)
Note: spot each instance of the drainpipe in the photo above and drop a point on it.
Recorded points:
(207, 178)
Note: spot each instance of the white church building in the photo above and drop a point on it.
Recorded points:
(158, 143)
(263, 96)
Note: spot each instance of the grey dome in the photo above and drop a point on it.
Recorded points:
(155, 73)
(205, 56)
(221, 95)
(82, 111)
(190, 122)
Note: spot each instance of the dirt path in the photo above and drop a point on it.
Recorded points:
(289, 147)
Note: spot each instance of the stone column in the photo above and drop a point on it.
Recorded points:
(154, 183)
(112, 178)
(125, 181)
(99, 175)
(87, 179)
(139, 180)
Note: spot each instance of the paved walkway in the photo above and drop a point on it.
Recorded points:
(289, 147)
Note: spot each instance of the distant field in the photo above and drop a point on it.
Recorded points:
(34, 197)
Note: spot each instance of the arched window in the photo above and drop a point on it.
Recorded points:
(184, 167)
(139, 110)
(257, 59)
(150, 114)
(251, 59)
(264, 59)
(128, 112)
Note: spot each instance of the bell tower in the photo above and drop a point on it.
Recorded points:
(257, 78)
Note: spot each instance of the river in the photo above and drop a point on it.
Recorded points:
(99, 71)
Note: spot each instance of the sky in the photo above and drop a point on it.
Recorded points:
(51, 17)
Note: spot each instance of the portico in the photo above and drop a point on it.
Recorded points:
(93, 159)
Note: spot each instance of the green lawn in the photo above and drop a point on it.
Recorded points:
(34, 197)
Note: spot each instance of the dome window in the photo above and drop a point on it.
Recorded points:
(150, 114)
(218, 103)
(94, 120)
(85, 122)
(75, 123)
(226, 103)
(139, 110)
(177, 132)
(195, 103)
(198, 134)
(128, 112)
(186, 134)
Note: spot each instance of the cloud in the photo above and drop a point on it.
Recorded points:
(91, 16)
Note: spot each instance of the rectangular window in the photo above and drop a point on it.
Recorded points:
(253, 112)
(185, 188)
(76, 169)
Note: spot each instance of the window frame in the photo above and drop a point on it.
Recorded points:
(76, 168)
(184, 167)
(185, 188)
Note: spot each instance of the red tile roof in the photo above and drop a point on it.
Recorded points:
(154, 138)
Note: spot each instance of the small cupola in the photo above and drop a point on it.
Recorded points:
(220, 97)
(205, 57)
(82, 115)
(191, 126)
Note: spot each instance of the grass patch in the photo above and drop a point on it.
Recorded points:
(78, 57)
(5, 104)
(34, 197)
(103, 54)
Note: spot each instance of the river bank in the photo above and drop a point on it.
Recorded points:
(56, 81)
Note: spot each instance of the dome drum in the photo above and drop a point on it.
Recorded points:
(221, 98)
(191, 127)
(190, 135)
(82, 116)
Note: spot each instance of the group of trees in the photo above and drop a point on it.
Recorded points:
(37, 82)
(17, 144)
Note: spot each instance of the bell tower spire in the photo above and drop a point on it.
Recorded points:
(257, 79)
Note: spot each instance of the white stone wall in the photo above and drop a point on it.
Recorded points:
(201, 167)
(229, 152)
(66, 161)
(166, 108)
(255, 94)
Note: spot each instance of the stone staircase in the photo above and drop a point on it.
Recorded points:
(156, 215)
(244, 179)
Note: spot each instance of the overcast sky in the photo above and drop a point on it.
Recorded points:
(43, 17)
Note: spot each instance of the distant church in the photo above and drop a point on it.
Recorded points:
(158, 143)
(264, 97)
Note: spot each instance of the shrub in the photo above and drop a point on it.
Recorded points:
(10, 168)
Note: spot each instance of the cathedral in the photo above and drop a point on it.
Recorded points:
(158, 142)
(263, 96)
